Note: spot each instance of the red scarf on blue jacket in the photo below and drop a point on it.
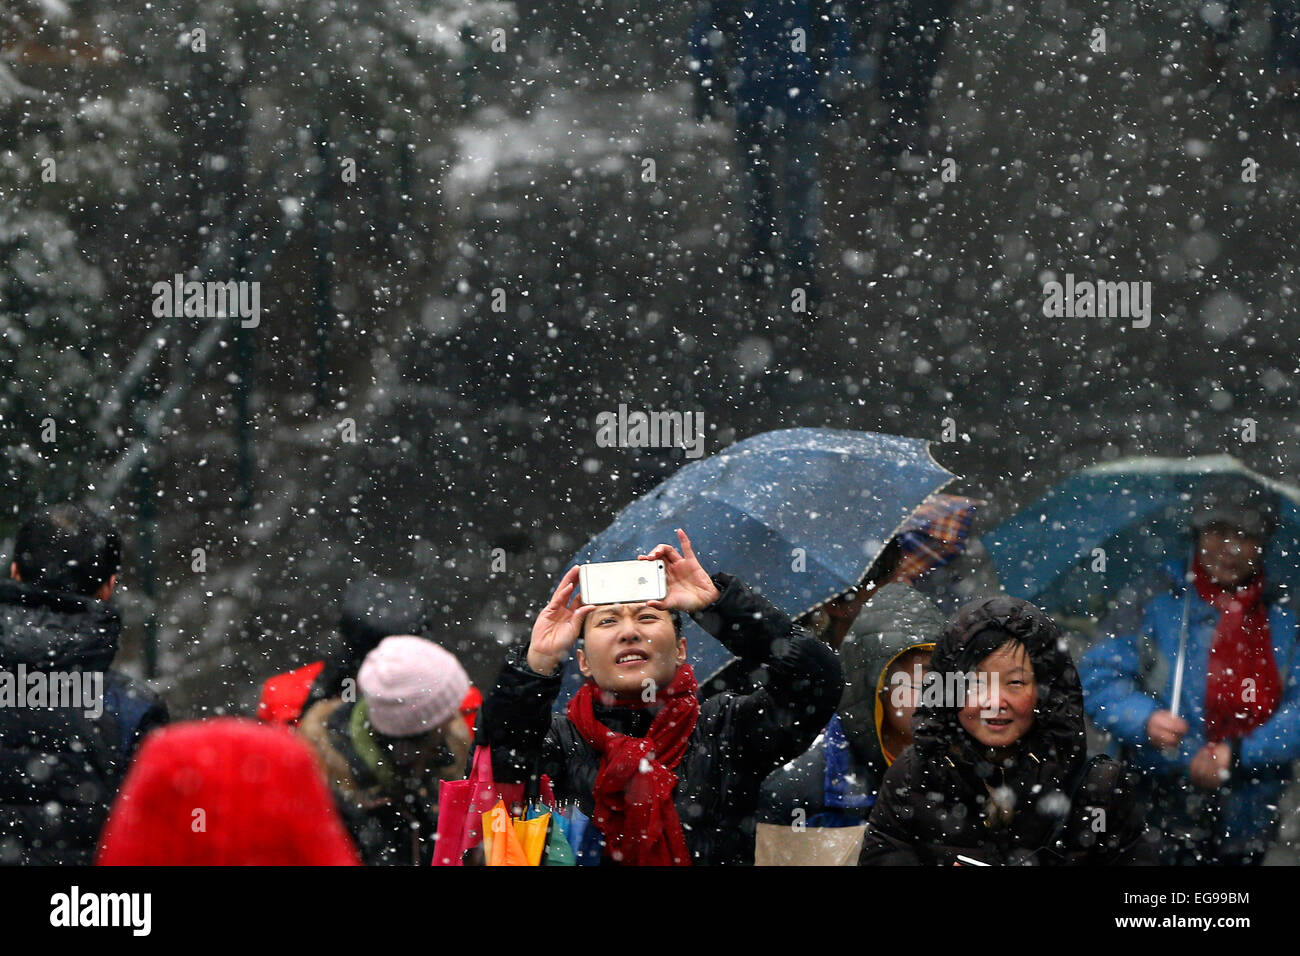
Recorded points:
(1242, 686)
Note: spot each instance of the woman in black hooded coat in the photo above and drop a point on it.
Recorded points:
(1028, 795)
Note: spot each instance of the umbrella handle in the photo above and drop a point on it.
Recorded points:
(1180, 666)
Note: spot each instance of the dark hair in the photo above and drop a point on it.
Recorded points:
(67, 547)
(989, 640)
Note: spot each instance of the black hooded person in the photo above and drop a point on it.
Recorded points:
(373, 608)
(997, 773)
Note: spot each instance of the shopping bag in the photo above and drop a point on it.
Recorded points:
(781, 845)
(463, 803)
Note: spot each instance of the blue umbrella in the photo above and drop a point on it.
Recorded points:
(1088, 541)
(799, 514)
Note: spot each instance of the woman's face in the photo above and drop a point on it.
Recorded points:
(1002, 710)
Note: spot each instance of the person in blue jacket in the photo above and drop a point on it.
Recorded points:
(1215, 760)
(65, 756)
(777, 62)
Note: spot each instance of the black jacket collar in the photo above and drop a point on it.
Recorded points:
(55, 630)
(629, 721)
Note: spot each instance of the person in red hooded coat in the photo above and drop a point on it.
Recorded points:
(225, 792)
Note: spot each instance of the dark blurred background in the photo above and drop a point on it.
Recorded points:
(522, 171)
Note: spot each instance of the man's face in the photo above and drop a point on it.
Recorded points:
(1004, 712)
(631, 650)
(1229, 556)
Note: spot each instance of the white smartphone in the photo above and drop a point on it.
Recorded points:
(622, 582)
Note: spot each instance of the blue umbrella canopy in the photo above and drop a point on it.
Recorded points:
(1081, 547)
(799, 514)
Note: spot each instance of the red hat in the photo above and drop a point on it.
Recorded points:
(225, 792)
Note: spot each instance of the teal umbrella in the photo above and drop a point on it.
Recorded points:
(1077, 549)
(1098, 539)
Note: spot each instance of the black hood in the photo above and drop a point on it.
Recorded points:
(1056, 745)
(55, 630)
(898, 618)
(375, 608)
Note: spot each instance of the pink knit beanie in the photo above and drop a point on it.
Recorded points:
(411, 685)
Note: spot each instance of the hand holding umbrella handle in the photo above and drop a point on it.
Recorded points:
(557, 626)
(690, 588)
(1166, 730)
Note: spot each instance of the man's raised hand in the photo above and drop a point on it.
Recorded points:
(689, 587)
(557, 626)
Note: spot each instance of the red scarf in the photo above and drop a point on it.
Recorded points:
(634, 785)
(1242, 649)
